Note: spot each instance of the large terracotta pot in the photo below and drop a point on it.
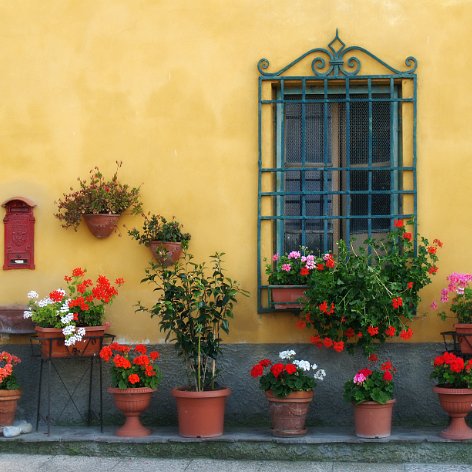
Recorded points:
(288, 414)
(286, 297)
(457, 403)
(132, 402)
(201, 414)
(8, 402)
(464, 337)
(52, 342)
(166, 253)
(373, 420)
(101, 225)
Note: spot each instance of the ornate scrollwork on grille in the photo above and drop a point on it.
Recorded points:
(337, 61)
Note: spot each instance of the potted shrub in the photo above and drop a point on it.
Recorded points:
(194, 306)
(454, 388)
(371, 393)
(134, 377)
(287, 276)
(461, 305)
(100, 202)
(369, 294)
(164, 238)
(71, 322)
(288, 385)
(10, 391)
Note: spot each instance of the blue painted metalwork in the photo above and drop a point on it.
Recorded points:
(320, 159)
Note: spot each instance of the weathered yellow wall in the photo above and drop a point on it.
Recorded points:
(170, 88)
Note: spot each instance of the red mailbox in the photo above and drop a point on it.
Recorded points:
(19, 234)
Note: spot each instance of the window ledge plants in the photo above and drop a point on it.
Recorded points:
(288, 277)
(108, 198)
(165, 239)
(370, 293)
(194, 306)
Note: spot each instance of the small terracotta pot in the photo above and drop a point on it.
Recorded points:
(287, 297)
(464, 337)
(201, 414)
(132, 402)
(166, 253)
(373, 420)
(457, 403)
(8, 403)
(288, 414)
(101, 225)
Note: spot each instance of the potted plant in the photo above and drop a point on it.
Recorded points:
(454, 388)
(288, 386)
(194, 306)
(288, 275)
(165, 238)
(10, 391)
(371, 393)
(368, 294)
(461, 306)
(72, 321)
(134, 377)
(99, 201)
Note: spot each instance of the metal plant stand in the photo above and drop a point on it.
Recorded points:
(73, 355)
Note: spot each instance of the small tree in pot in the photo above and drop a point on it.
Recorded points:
(194, 307)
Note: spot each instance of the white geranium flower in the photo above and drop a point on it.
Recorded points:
(81, 332)
(44, 302)
(32, 294)
(320, 374)
(68, 330)
(66, 319)
(287, 354)
(314, 366)
(304, 365)
(27, 314)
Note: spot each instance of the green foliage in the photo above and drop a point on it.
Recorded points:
(131, 367)
(194, 305)
(452, 371)
(157, 228)
(291, 269)
(371, 385)
(97, 196)
(285, 378)
(371, 292)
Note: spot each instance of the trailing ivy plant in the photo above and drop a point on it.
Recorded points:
(194, 306)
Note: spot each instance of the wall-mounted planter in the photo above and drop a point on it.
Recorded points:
(101, 225)
(166, 253)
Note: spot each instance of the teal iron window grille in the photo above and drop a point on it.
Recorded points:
(337, 152)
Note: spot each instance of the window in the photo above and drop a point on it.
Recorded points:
(337, 155)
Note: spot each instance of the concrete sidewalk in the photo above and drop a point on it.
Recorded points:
(323, 446)
(61, 463)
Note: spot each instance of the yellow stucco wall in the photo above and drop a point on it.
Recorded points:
(170, 88)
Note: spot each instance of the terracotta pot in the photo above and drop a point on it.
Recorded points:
(166, 253)
(286, 297)
(201, 414)
(288, 414)
(464, 337)
(8, 402)
(52, 342)
(132, 402)
(373, 420)
(101, 225)
(457, 403)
